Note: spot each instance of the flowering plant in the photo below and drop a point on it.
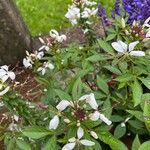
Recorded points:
(89, 96)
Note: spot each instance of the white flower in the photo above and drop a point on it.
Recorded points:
(55, 35)
(73, 14)
(97, 115)
(73, 141)
(87, 12)
(5, 74)
(55, 121)
(27, 63)
(90, 99)
(123, 48)
(46, 65)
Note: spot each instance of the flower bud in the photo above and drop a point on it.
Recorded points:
(67, 120)
(94, 134)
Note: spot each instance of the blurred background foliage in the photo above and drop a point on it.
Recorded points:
(44, 15)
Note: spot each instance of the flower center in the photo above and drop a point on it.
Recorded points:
(80, 114)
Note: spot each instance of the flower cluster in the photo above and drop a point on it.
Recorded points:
(79, 114)
(134, 9)
(82, 9)
(38, 55)
(5, 74)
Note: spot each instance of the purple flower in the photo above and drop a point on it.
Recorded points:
(134, 9)
(103, 16)
(116, 10)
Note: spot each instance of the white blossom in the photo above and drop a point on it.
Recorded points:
(123, 48)
(73, 14)
(46, 65)
(55, 35)
(6, 74)
(4, 91)
(61, 107)
(73, 141)
(94, 135)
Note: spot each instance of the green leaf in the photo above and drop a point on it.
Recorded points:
(136, 143)
(77, 89)
(145, 146)
(62, 95)
(105, 46)
(111, 36)
(137, 114)
(107, 108)
(119, 131)
(113, 70)
(137, 92)
(146, 114)
(96, 57)
(23, 145)
(109, 139)
(146, 82)
(102, 85)
(124, 78)
(36, 132)
(51, 144)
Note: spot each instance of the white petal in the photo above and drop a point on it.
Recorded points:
(54, 123)
(62, 105)
(137, 53)
(2, 73)
(84, 97)
(94, 116)
(104, 119)
(69, 146)
(95, 136)
(53, 33)
(4, 91)
(5, 67)
(132, 45)
(92, 101)
(72, 139)
(80, 133)
(11, 75)
(50, 66)
(124, 45)
(118, 47)
(87, 142)
(146, 22)
(4, 78)
(148, 34)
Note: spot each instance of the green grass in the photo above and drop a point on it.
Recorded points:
(44, 15)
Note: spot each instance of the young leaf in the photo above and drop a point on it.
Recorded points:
(119, 131)
(113, 70)
(145, 146)
(51, 144)
(96, 57)
(62, 94)
(105, 46)
(137, 92)
(23, 145)
(136, 143)
(77, 89)
(111, 36)
(36, 132)
(109, 139)
(102, 85)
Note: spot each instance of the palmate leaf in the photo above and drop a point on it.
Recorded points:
(109, 139)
